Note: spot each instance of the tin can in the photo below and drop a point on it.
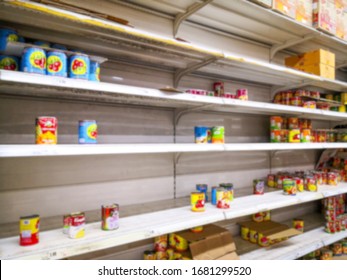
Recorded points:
(161, 255)
(197, 200)
(326, 254)
(337, 249)
(7, 35)
(87, 132)
(287, 94)
(271, 180)
(293, 123)
(201, 134)
(181, 243)
(66, 223)
(258, 217)
(149, 255)
(197, 229)
(33, 61)
(309, 104)
(298, 224)
(110, 217)
(43, 44)
(202, 188)
(218, 88)
(230, 188)
(305, 124)
(79, 65)
(214, 195)
(218, 135)
(94, 71)
(8, 62)
(294, 136)
(305, 136)
(245, 232)
(330, 227)
(299, 184)
(344, 247)
(332, 179)
(160, 243)
(310, 184)
(253, 236)
(289, 187)
(46, 130)
(242, 94)
(170, 254)
(315, 94)
(223, 199)
(172, 240)
(296, 101)
(275, 136)
(325, 107)
(77, 227)
(258, 186)
(267, 215)
(29, 227)
(276, 123)
(284, 135)
(331, 136)
(56, 64)
(321, 136)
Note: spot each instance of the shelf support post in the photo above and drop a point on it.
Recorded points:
(192, 67)
(276, 48)
(183, 16)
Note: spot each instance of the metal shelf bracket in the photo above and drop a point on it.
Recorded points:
(342, 65)
(183, 16)
(180, 113)
(276, 48)
(192, 67)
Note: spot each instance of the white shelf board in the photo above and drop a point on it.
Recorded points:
(164, 50)
(16, 49)
(7, 151)
(20, 83)
(55, 245)
(296, 247)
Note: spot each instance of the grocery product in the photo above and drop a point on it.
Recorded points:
(214, 195)
(79, 65)
(149, 255)
(56, 64)
(202, 188)
(7, 35)
(324, 16)
(289, 187)
(242, 94)
(298, 224)
(9, 62)
(201, 134)
(217, 135)
(197, 200)
(294, 136)
(87, 132)
(77, 226)
(94, 71)
(46, 130)
(218, 88)
(110, 216)
(223, 198)
(258, 186)
(33, 61)
(29, 227)
(161, 243)
(197, 229)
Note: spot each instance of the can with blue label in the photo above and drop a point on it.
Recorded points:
(79, 66)
(43, 44)
(56, 64)
(8, 62)
(202, 188)
(7, 35)
(87, 132)
(33, 61)
(94, 71)
(214, 195)
(201, 134)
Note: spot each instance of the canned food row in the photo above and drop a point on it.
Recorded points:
(218, 91)
(47, 131)
(73, 224)
(204, 134)
(53, 63)
(328, 252)
(335, 213)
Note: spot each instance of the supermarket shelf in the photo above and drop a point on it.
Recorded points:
(26, 84)
(55, 245)
(297, 246)
(7, 151)
(16, 49)
(140, 46)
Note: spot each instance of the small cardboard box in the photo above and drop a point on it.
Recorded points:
(324, 15)
(319, 69)
(303, 12)
(213, 243)
(286, 7)
(319, 56)
(265, 3)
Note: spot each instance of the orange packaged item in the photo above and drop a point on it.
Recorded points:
(46, 130)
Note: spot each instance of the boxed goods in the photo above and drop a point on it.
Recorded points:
(265, 3)
(287, 7)
(303, 13)
(324, 15)
(319, 62)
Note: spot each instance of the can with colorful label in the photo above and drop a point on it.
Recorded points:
(310, 184)
(344, 247)
(46, 130)
(214, 195)
(7, 35)
(294, 136)
(66, 223)
(94, 71)
(244, 232)
(202, 188)
(218, 134)
(181, 243)
(242, 94)
(149, 255)
(305, 135)
(79, 65)
(299, 184)
(56, 64)
(29, 227)
(289, 187)
(201, 134)
(337, 249)
(8, 62)
(33, 61)
(223, 199)
(275, 136)
(87, 132)
(218, 88)
(77, 226)
(276, 123)
(298, 224)
(332, 179)
(161, 243)
(258, 186)
(271, 179)
(197, 200)
(110, 216)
